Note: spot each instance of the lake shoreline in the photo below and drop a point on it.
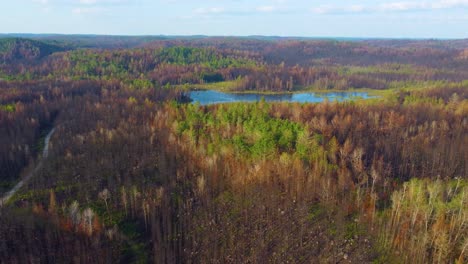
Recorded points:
(227, 87)
(208, 97)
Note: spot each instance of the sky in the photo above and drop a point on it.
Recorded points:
(307, 18)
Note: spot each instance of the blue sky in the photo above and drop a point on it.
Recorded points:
(332, 18)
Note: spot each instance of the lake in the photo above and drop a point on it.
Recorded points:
(208, 97)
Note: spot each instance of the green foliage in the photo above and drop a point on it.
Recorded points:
(222, 174)
(212, 77)
(206, 57)
(142, 84)
(134, 250)
(412, 99)
(385, 258)
(316, 212)
(258, 134)
(219, 86)
(9, 108)
(136, 64)
(353, 230)
(428, 216)
(132, 100)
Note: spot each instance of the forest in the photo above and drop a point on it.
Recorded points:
(137, 173)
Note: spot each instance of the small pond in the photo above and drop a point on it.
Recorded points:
(207, 97)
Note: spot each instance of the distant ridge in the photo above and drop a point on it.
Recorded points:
(18, 49)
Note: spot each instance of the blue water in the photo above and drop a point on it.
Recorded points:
(214, 97)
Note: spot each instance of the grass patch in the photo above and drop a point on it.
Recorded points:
(224, 86)
(9, 108)
(316, 212)
(353, 230)
(32, 195)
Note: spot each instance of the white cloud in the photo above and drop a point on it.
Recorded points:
(42, 2)
(87, 10)
(403, 6)
(451, 3)
(209, 10)
(327, 9)
(266, 8)
(246, 10)
(88, 2)
(102, 2)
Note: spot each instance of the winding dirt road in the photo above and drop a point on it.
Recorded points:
(20, 184)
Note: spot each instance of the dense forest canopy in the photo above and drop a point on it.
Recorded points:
(250, 64)
(15, 49)
(135, 173)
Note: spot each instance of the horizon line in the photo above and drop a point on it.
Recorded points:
(233, 36)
